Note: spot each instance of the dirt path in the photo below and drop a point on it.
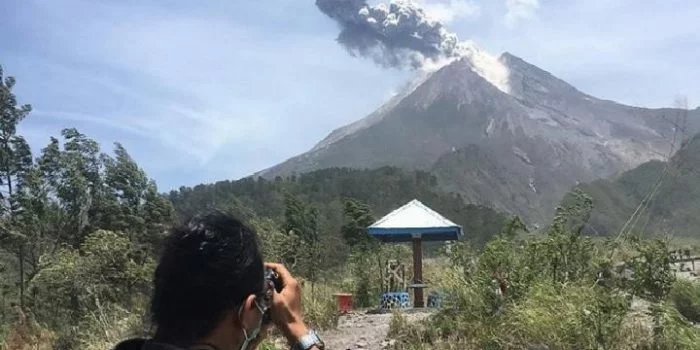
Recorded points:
(359, 330)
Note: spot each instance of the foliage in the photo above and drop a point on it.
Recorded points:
(327, 190)
(78, 232)
(106, 325)
(75, 282)
(555, 291)
(320, 308)
(358, 216)
(673, 331)
(27, 334)
(301, 221)
(653, 277)
(569, 317)
(365, 260)
(566, 251)
(685, 297)
(15, 163)
(276, 245)
(367, 285)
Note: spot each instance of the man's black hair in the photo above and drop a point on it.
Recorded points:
(208, 267)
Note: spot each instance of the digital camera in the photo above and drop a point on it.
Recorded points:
(273, 282)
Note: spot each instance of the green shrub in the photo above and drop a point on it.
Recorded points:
(674, 331)
(685, 296)
(4, 328)
(365, 278)
(320, 307)
(568, 317)
(414, 336)
(94, 296)
(109, 324)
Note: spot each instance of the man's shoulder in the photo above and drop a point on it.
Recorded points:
(143, 344)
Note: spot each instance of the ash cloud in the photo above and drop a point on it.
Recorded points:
(399, 34)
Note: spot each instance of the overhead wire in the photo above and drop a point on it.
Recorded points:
(644, 204)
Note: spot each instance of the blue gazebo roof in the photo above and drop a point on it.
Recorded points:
(414, 220)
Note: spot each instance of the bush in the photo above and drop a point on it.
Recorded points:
(685, 296)
(366, 284)
(27, 334)
(91, 288)
(320, 308)
(410, 336)
(568, 317)
(675, 332)
(107, 325)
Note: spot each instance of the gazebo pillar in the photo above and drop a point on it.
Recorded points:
(418, 300)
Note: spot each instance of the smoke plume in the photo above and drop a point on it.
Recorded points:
(396, 35)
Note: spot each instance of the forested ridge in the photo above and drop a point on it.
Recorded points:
(383, 189)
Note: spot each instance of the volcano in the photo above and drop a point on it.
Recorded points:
(500, 132)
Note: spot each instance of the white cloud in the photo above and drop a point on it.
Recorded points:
(446, 11)
(518, 10)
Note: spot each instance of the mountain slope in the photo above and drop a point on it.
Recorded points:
(673, 209)
(518, 148)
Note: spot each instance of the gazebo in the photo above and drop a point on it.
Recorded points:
(415, 222)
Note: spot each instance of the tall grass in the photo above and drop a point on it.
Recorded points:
(320, 307)
(685, 296)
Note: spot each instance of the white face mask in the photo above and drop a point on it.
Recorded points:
(250, 336)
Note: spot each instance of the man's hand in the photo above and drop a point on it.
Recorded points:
(286, 306)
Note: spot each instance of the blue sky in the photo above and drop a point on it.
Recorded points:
(200, 91)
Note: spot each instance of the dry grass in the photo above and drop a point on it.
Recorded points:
(320, 307)
(27, 334)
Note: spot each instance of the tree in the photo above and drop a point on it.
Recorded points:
(158, 214)
(566, 251)
(653, 276)
(126, 184)
(15, 162)
(358, 217)
(73, 174)
(38, 219)
(302, 220)
(276, 245)
(513, 227)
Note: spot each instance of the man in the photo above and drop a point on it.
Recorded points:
(209, 292)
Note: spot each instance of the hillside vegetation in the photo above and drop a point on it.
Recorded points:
(667, 194)
(559, 291)
(383, 189)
